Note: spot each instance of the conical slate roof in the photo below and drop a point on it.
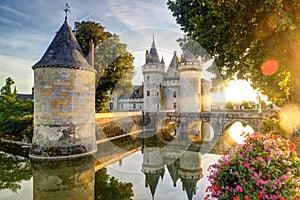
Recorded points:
(174, 61)
(153, 53)
(188, 57)
(64, 51)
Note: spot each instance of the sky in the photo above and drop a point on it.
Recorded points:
(28, 27)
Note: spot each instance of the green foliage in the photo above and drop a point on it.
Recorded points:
(246, 105)
(16, 117)
(265, 167)
(113, 63)
(13, 169)
(263, 104)
(194, 47)
(241, 35)
(229, 105)
(107, 187)
(272, 125)
(87, 30)
(6, 89)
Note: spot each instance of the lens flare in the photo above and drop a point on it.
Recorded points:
(269, 67)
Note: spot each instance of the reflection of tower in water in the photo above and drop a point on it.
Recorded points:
(181, 163)
(190, 172)
(153, 166)
(64, 179)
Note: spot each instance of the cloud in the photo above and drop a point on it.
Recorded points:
(14, 11)
(10, 23)
(141, 13)
(19, 70)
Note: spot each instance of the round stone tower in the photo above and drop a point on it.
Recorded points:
(190, 83)
(190, 172)
(64, 107)
(153, 166)
(205, 96)
(153, 71)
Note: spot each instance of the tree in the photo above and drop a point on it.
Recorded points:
(14, 170)
(16, 116)
(245, 104)
(271, 125)
(113, 63)
(242, 35)
(229, 105)
(110, 188)
(115, 70)
(263, 104)
(87, 30)
(6, 89)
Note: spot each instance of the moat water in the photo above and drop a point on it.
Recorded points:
(126, 168)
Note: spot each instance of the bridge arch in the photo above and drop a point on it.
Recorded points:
(236, 132)
(200, 131)
(166, 129)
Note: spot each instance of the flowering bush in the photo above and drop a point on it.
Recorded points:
(265, 167)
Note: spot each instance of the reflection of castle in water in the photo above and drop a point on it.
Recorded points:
(181, 162)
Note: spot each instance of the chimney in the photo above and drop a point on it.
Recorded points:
(91, 53)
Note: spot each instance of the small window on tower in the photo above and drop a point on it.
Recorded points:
(157, 94)
(148, 77)
(174, 94)
(174, 105)
(148, 93)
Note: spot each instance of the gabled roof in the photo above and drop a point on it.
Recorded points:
(64, 51)
(174, 61)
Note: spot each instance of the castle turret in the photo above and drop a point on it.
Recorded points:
(190, 83)
(64, 108)
(206, 98)
(190, 172)
(153, 71)
(153, 167)
(171, 83)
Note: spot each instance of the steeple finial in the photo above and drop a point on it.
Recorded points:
(67, 9)
(162, 60)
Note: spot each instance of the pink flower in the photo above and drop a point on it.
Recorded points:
(239, 188)
(246, 165)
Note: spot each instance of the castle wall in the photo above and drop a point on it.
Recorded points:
(153, 78)
(171, 95)
(205, 96)
(190, 91)
(64, 108)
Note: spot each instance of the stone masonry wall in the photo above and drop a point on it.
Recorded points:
(64, 107)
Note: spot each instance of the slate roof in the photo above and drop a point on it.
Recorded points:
(24, 97)
(154, 58)
(137, 93)
(188, 57)
(64, 51)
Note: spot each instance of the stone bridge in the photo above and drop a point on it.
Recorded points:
(219, 121)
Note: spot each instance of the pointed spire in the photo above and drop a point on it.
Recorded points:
(67, 9)
(162, 60)
(64, 51)
(15, 90)
(153, 52)
(174, 61)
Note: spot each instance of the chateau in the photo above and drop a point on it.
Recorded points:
(179, 87)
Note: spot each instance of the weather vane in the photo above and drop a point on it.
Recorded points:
(67, 9)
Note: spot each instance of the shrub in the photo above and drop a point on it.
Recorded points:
(265, 167)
